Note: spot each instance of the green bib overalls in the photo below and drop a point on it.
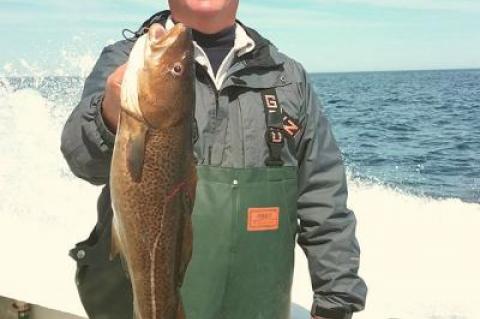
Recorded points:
(244, 236)
(242, 265)
(244, 227)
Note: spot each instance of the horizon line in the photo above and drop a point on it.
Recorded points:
(399, 70)
(312, 73)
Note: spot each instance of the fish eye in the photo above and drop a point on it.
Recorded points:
(177, 68)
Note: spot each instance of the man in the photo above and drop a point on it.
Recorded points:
(266, 156)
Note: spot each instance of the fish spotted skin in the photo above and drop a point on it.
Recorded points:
(153, 175)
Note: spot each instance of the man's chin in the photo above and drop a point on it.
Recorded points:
(207, 8)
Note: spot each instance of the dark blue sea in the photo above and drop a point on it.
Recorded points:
(413, 131)
(417, 131)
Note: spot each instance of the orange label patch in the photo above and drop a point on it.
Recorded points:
(261, 219)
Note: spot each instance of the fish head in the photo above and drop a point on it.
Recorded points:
(166, 83)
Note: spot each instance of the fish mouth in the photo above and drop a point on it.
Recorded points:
(179, 35)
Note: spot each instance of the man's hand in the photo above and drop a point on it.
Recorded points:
(111, 99)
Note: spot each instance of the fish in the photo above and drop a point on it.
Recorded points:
(152, 173)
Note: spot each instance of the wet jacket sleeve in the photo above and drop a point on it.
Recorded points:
(327, 226)
(87, 143)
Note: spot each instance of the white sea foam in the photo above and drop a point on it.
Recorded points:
(419, 255)
(43, 209)
(76, 58)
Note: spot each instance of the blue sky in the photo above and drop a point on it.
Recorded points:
(325, 35)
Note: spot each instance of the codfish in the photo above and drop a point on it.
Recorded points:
(153, 177)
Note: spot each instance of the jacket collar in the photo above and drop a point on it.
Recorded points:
(260, 68)
(259, 57)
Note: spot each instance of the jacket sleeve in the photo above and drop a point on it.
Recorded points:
(327, 226)
(87, 143)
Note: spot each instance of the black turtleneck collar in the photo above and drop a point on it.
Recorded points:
(222, 39)
(216, 46)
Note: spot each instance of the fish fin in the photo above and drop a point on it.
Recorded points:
(187, 246)
(136, 150)
(115, 243)
(136, 313)
(187, 238)
(116, 249)
(180, 310)
(191, 186)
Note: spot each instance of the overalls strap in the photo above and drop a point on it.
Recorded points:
(274, 134)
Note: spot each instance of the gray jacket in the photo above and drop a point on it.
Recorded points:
(231, 133)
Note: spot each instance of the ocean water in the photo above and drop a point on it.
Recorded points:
(415, 131)
(418, 131)
(411, 145)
